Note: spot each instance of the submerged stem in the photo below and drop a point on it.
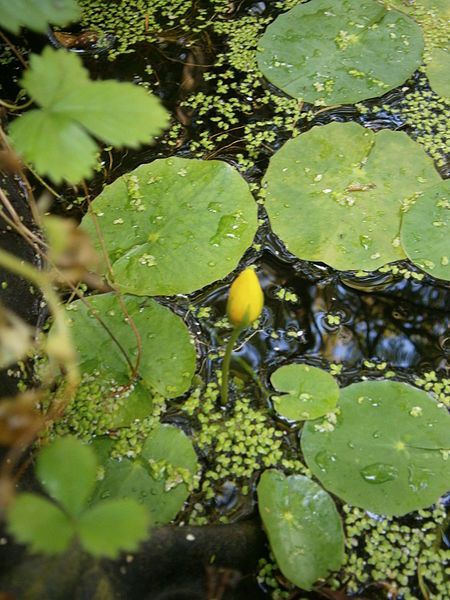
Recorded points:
(226, 363)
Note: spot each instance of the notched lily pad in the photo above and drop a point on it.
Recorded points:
(168, 355)
(426, 231)
(308, 392)
(159, 479)
(388, 452)
(335, 193)
(303, 526)
(175, 225)
(340, 52)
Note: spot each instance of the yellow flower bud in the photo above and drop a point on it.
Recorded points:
(245, 300)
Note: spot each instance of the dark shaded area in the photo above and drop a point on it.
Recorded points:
(16, 293)
(177, 563)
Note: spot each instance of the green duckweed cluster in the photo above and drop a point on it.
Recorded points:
(100, 409)
(237, 445)
(401, 557)
(437, 386)
(135, 21)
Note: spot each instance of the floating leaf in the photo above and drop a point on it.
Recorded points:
(426, 231)
(388, 451)
(356, 180)
(341, 52)
(113, 526)
(158, 478)
(168, 355)
(135, 405)
(175, 225)
(438, 72)
(73, 109)
(39, 523)
(67, 470)
(309, 392)
(303, 526)
(433, 16)
(37, 14)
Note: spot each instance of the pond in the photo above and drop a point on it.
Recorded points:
(297, 153)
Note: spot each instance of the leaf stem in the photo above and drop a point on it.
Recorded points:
(226, 363)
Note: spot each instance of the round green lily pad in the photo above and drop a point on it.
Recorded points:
(174, 225)
(303, 526)
(168, 355)
(426, 231)
(308, 392)
(334, 194)
(388, 452)
(160, 479)
(340, 52)
(438, 72)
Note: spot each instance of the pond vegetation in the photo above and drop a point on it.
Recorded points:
(258, 322)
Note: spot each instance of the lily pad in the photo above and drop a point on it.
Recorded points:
(303, 526)
(426, 231)
(438, 72)
(159, 479)
(340, 52)
(175, 225)
(388, 451)
(308, 392)
(168, 355)
(335, 193)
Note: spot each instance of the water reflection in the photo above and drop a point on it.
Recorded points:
(402, 322)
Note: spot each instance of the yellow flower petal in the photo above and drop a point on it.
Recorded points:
(245, 300)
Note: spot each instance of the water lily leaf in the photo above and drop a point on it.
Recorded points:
(426, 231)
(309, 392)
(136, 405)
(159, 479)
(303, 526)
(35, 521)
(387, 453)
(341, 52)
(37, 14)
(175, 225)
(345, 175)
(168, 355)
(113, 526)
(73, 109)
(67, 469)
(438, 72)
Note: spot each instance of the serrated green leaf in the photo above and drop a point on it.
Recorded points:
(56, 137)
(303, 526)
(37, 14)
(39, 523)
(55, 145)
(52, 75)
(113, 526)
(121, 114)
(67, 469)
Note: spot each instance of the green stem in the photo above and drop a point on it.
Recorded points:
(226, 363)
